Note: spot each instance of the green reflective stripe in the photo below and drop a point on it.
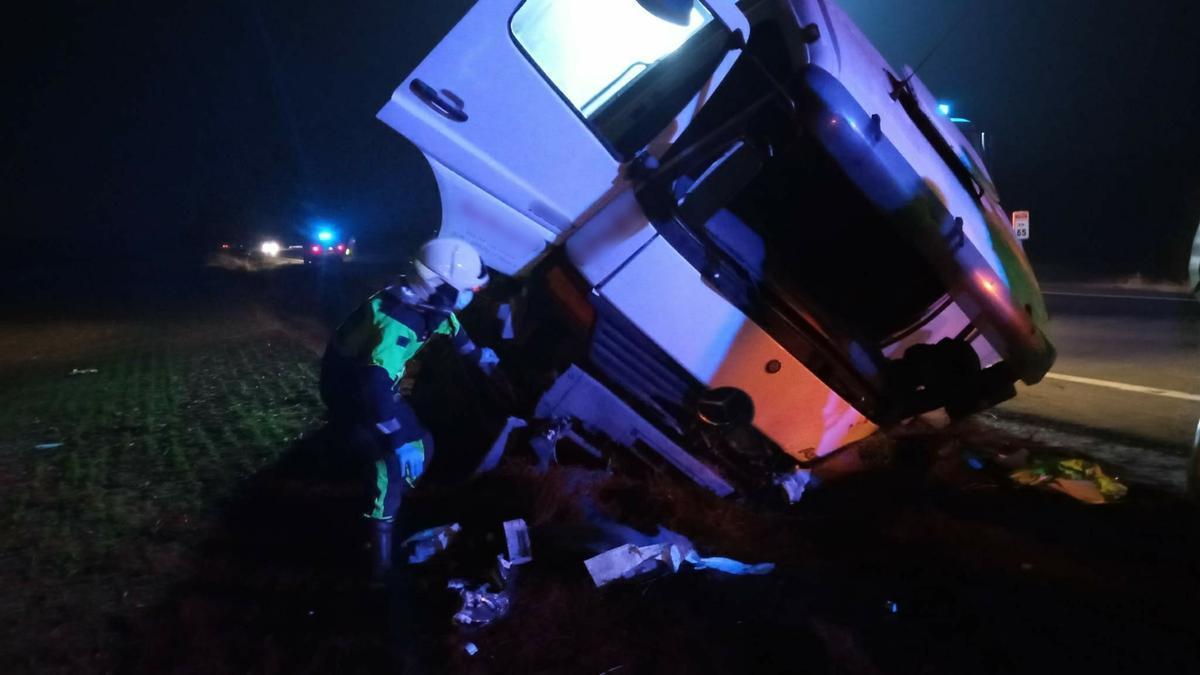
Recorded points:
(451, 326)
(371, 337)
(394, 347)
(381, 487)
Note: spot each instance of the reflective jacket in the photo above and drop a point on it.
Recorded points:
(387, 331)
(369, 352)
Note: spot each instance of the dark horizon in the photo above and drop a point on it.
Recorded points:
(180, 126)
(1090, 106)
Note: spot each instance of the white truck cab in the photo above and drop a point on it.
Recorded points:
(762, 234)
(529, 111)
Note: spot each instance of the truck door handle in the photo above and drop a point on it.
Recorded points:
(432, 98)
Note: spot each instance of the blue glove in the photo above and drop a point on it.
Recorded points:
(488, 360)
(412, 461)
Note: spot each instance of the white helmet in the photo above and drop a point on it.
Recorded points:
(453, 262)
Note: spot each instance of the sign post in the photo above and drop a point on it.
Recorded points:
(1020, 224)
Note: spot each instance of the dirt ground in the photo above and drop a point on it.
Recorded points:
(197, 518)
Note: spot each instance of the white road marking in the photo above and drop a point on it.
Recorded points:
(1166, 393)
(1114, 296)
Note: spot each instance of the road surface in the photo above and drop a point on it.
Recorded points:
(1128, 366)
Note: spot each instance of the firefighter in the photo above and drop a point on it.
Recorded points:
(366, 358)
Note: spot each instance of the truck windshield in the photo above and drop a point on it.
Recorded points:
(624, 70)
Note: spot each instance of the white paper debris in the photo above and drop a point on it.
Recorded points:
(427, 543)
(629, 561)
(728, 565)
(794, 483)
(516, 536)
(480, 606)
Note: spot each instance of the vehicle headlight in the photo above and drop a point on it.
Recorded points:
(270, 248)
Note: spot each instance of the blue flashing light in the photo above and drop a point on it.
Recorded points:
(325, 235)
(944, 109)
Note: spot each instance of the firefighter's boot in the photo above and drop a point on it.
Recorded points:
(381, 550)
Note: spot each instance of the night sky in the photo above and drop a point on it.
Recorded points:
(1094, 106)
(175, 125)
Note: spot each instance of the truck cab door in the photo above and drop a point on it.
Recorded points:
(528, 110)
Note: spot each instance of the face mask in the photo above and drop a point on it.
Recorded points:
(464, 299)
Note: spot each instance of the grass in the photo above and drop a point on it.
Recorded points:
(195, 520)
(153, 443)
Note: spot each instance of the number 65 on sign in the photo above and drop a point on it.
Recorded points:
(1020, 224)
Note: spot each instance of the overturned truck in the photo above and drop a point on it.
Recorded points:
(740, 235)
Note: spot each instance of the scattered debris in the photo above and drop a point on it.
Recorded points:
(84, 371)
(602, 533)
(1079, 478)
(48, 446)
(492, 459)
(428, 543)
(471, 649)
(794, 483)
(631, 560)
(480, 606)
(727, 565)
(505, 571)
(545, 443)
(516, 536)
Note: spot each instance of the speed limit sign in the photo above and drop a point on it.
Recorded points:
(1020, 224)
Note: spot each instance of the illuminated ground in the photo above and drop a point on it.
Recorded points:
(196, 520)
